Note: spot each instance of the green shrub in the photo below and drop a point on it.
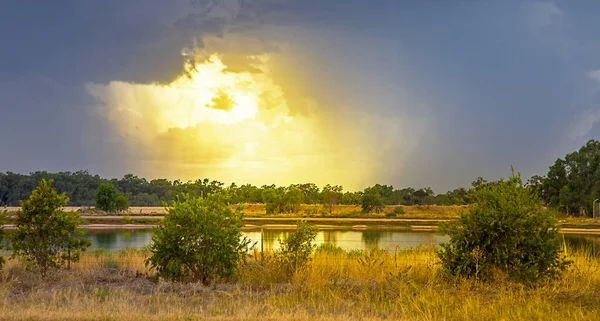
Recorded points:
(294, 252)
(399, 210)
(143, 220)
(505, 230)
(198, 240)
(126, 219)
(329, 248)
(45, 234)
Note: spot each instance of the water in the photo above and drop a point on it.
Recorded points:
(391, 240)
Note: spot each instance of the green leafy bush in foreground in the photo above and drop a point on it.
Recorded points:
(45, 234)
(294, 252)
(198, 240)
(505, 230)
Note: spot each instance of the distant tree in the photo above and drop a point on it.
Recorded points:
(330, 196)
(106, 197)
(372, 201)
(351, 198)
(122, 204)
(45, 234)
(572, 184)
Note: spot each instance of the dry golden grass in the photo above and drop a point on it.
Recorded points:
(337, 285)
(317, 210)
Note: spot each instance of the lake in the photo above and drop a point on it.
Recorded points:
(390, 240)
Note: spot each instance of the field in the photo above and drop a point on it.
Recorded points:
(306, 210)
(337, 285)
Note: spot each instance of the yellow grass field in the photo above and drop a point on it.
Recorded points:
(306, 210)
(336, 286)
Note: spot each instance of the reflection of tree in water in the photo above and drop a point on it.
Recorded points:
(126, 234)
(270, 238)
(371, 238)
(330, 237)
(105, 240)
(587, 243)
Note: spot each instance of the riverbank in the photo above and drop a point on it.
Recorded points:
(337, 285)
(305, 210)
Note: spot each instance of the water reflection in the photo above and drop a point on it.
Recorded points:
(268, 239)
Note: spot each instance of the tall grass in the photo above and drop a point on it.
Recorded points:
(336, 285)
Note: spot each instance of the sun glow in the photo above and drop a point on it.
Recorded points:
(232, 126)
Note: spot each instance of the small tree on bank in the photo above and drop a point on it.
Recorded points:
(109, 199)
(371, 201)
(505, 229)
(198, 240)
(45, 234)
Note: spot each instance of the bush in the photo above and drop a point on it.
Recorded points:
(45, 234)
(399, 210)
(294, 252)
(126, 219)
(198, 240)
(505, 230)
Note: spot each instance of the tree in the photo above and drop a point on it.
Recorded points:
(371, 201)
(330, 196)
(106, 197)
(198, 240)
(45, 234)
(505, 229)
(122, 204)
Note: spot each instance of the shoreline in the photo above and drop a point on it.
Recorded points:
(251, 227)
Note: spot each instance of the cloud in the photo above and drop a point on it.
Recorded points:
(584, 122)
(545, 22)
(542, 14)
(595, 75)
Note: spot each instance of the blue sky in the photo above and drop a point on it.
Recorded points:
(480, 85)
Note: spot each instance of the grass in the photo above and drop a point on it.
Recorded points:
(337, 285)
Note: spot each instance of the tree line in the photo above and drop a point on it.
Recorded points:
(571, 186)
(81, 188)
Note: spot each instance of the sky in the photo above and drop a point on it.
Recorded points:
(408, 93)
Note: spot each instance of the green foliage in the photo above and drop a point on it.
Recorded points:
(399, 210)
(122, 204)
(504, 230)
(81, 188)
(198, 240)
(330, 196)
(126, 219)
(106, 197)
(572, 183)
(372, 201)
(282, 199)
(294, 252)
(46, 235)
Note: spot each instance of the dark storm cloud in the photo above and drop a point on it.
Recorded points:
(502, 82)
